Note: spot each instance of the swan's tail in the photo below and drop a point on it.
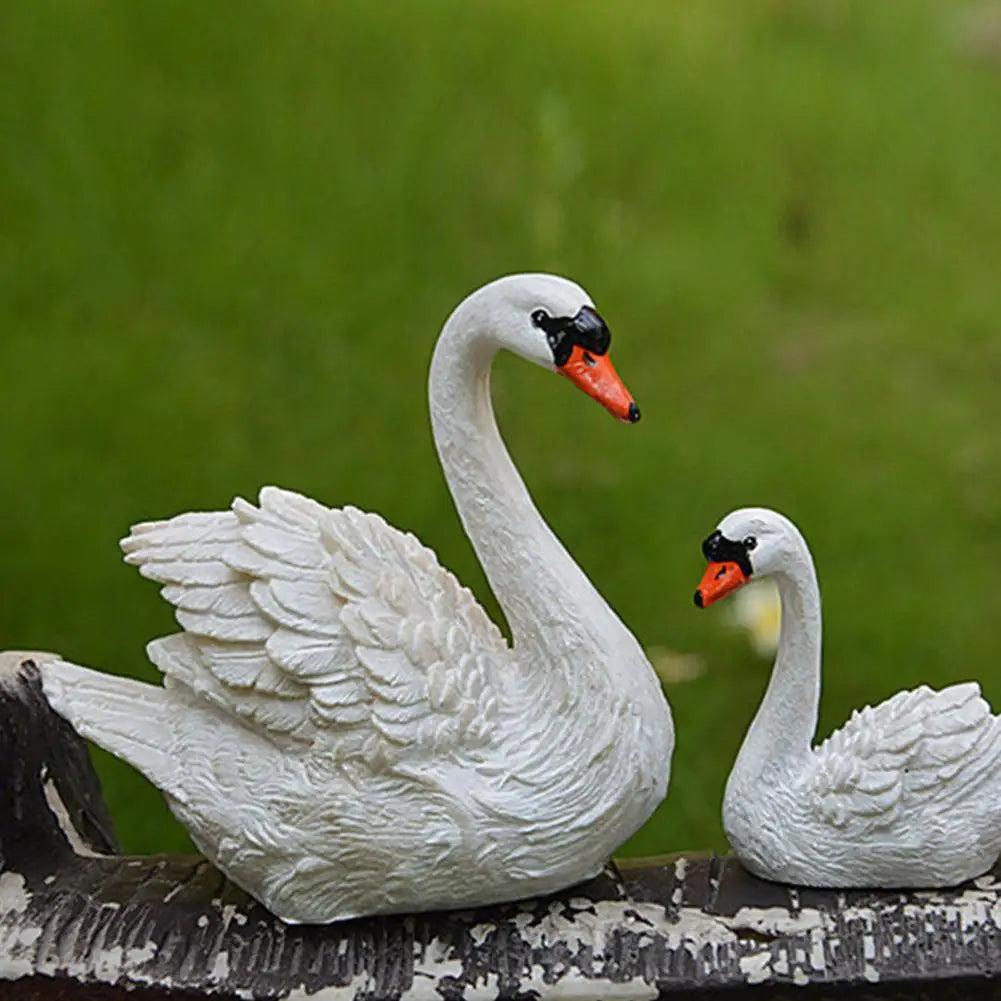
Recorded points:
(126, 717)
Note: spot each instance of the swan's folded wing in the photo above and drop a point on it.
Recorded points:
(323, 625)
(918, 748)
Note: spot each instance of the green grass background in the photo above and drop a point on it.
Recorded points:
(229, 233)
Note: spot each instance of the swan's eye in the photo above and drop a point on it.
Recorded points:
(539, 318)
(750, 542)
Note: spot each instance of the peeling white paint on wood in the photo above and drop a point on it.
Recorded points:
(774, 920)
(16, 939)
(11, 671)
(564, 947)
(104, 920)
(757, 968)
(65, 822)
(802, 950)
(140, 954)
(576, 987)
(14, 897)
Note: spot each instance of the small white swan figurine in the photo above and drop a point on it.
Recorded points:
(341, 728)
(906, 794)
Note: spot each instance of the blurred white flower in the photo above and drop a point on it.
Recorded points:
(673, 667)
(756, 610)
(978, 31)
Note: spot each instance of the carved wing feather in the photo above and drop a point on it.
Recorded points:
(919, 747)
(322, 625)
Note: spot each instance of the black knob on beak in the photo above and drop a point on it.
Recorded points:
(634, 413)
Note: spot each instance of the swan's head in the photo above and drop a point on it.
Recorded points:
(752, 541)
(552, 321)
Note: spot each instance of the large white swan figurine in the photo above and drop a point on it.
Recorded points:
(906, 794)
(342, 729)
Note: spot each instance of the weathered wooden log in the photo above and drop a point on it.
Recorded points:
(79, 920)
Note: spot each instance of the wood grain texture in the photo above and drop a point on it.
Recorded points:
(79, 920)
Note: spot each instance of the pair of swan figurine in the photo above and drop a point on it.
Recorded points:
(344, 732)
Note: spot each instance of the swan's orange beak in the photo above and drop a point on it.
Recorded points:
(596, 376)
(718, 581)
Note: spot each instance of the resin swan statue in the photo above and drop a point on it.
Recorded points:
(342, 729)
(906, 794)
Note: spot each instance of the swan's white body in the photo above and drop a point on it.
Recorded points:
(907, 793)
(343, 730)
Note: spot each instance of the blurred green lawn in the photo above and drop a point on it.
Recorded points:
(229, 234)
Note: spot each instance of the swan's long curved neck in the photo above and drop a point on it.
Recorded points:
(786, 721)
(544, 594)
